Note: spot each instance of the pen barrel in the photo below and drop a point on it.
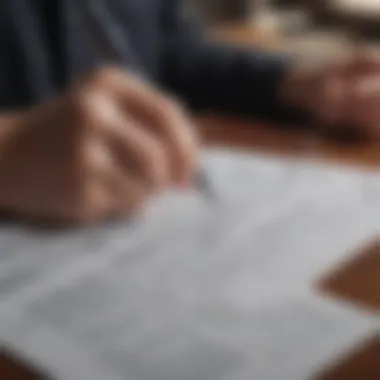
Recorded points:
(111, 40)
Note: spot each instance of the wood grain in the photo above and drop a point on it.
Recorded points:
(358, 281)
(279, 140)
(362, 364)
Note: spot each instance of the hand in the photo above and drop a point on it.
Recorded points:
(339, 95)
(100, 150)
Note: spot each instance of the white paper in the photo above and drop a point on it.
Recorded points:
(197, 289)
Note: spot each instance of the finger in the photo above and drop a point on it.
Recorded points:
(147, 105)
(330, 101)
(99, 203)
(128, 88)
(343, 90)
(136, 150)
(367, 85)
(168, 120)
(102, 202)
(126, 196)
(367, 60)
(360, 98)
(122, 194)
(367, 117)
(362, 63)
(141, 153)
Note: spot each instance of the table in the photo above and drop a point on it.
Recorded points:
(355, 282)
(235, 132)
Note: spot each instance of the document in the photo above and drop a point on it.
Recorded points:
(220, 289)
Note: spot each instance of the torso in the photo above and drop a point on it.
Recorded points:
(45, 46)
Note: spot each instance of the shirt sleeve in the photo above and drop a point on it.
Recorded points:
(212, 76)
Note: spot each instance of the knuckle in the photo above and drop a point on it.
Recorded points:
(175, 119)
(93, 108)
(104, 76)
(85, 107)
(167, 110)
(176, 105)
(172, 108)
(94, 87)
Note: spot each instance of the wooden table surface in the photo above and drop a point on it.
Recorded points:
(233, 132)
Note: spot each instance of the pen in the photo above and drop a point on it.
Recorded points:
(115, 46)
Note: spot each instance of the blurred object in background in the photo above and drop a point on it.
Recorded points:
(292, 17)
(279, 20)
(268, 15)
(316, 29)
(362, 16)
(217, 11)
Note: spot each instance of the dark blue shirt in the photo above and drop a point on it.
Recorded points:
(45, 46)
(51, 21)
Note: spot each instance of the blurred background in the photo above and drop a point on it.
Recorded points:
(304, 26)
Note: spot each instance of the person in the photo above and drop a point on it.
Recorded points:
(82, 140)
